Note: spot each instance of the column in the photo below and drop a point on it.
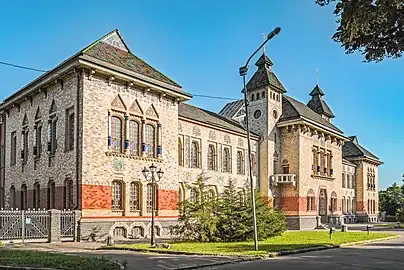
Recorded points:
(54, 231)
(143, 137)
(109, 131)
(126, 133)
(159, 141)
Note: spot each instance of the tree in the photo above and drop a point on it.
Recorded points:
(391, 199)
(373, 27)
(198, 215)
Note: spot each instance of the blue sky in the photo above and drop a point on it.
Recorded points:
(201, 45)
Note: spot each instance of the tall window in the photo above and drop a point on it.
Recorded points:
(25, 146)
(311, 201)
(116, 134)
(53, 135)
(180, 153)
(24, 202)
(348, 181)
(13, 203)
(194, 195)
(68, 194)
(343, 180)
(240, 162)
(149, 198)
(194, 154)
(117, 195)
(36, 196)
(38, 138)
(211, 157)
(134, 133)
(343, 205)
(150, 140)
(226, 160)
(134, 202)
(13, 158)
(69, 129)
(51, 194)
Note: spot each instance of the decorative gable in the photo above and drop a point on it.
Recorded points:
(135, 108)
(114, 39)
(118, 104)
(151, 111)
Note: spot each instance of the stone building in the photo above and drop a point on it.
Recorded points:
(79, 136)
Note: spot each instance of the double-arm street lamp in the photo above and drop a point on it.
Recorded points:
(243, 72)
(150, 176)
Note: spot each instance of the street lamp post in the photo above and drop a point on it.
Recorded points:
(243, 72)
(149, 175)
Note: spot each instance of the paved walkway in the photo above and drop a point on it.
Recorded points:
(134, 260)
(387, 255)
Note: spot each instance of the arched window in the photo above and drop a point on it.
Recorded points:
(194, 155)
(211, 194)
(134, 142)
(149, 198)
(343, 205)
(258, 96)
(348, 203)
(150, 140)
(333, 201)
(24, 203)
(36, 196)
(135, 200)
(252, 97)
(181, 199)
(116, 134)
(240, 162)
(211, 157)
(180, 155)
(194, 195)
(348, 181)
(13, 203)
(51, 194)
(343, 180)
(68, 194)
(117, 195)
(263, 94)
(226, 160)
(311, 201)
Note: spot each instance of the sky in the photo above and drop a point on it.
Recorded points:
(202, 44)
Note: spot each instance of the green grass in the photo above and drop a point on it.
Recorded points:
(288, 241)
(53, 260)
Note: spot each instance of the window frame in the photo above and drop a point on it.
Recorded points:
(135, 196)
(240, 162)
(195, 161)
(149, 197)
(211, 157)
(135, 140)
(114, 136)
(149, 153)
(117, 195)
(227, 160)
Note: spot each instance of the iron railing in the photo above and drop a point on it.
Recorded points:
(67, 225)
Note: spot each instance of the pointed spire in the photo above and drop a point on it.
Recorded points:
(318, 104)
(264, 61)
(317, 91)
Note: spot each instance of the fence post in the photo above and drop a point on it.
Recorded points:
(54, 225)
(77, 233)
(22, 225)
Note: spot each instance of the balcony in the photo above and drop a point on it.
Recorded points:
(283, 179)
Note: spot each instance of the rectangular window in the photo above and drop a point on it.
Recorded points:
(53, 136)
(13, 157)
(69, 134)
(38, 143)
(25, 146)
(149, 198)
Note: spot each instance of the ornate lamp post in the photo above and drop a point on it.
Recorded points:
(243, 72)
(150, 176)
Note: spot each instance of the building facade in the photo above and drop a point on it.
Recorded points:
(79, 136)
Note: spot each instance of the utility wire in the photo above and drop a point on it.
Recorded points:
(41, 70)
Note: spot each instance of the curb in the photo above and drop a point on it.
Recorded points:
(369, 241)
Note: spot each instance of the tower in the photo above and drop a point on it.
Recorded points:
(264, 91)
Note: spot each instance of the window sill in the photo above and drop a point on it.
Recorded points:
(151, 159)
(323, 177)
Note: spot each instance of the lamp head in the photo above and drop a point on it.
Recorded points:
(160, 173)
(274, 33)
(153, 168)
(145, 172)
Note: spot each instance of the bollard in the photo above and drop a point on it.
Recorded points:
(331, 231)
(368, 228)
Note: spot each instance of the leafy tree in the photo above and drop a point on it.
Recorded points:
(373, 27)
(198, 218)
(391, 199)
(400, 215)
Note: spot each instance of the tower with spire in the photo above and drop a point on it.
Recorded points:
(318, 104)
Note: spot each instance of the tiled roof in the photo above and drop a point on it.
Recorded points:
(231, 108)
(208, 117)
(293, 109)
(264, 76)
(125, 59)
(353, 149)
(317, 103)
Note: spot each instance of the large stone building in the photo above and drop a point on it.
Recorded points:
(79, 136)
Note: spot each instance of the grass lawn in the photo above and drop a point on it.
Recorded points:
(288, 241)
(52, 260)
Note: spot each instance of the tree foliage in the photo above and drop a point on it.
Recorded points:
(227, 218)
(392, 199)
(373, 27)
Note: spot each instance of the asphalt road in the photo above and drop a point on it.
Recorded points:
(382, 255)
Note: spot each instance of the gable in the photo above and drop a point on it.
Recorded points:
(118, 103)
(115, 40)
(135, 108)
(151, 111)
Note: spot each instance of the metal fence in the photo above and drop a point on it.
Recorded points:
(37, 225)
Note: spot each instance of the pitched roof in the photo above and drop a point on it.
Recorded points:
(264, 76)
(230, 109)
(317, 103)
(352, 149)
(208, 117)
(111, 48)
(293, 109)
